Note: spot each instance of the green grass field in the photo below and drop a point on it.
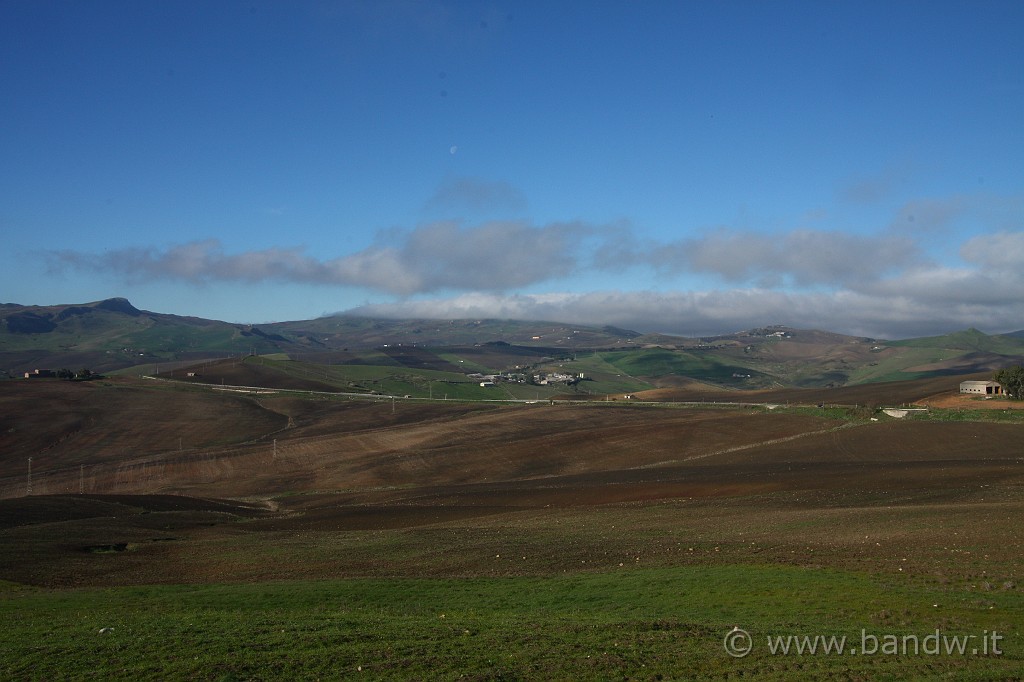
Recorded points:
(895, 368)
(393, 379)
(634, 623)
(658, 362)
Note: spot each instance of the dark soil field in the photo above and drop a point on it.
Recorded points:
(63, 425)
(319, 464)
(139, 482)
(419, 358)
(234, 372)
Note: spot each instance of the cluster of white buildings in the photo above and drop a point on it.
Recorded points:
(542, 379)
(556, 378)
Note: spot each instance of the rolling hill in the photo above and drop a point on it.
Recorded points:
(402, 357)
(259, 506)
(113, 334)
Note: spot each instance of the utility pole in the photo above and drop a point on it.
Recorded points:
(28, 487)
(81, 479)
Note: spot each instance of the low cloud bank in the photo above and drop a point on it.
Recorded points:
(708, 313)
(495, 256)
(888, 284)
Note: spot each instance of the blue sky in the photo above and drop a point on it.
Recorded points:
(686, 167)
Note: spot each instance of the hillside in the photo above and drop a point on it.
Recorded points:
(113, 334)
(146, 436)
(343, 331)
(148, 521)
(411, 357)
(970, 340)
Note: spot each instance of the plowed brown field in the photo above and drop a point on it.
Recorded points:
(133, 481)
(889, 394)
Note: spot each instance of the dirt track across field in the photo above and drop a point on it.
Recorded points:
(139, 471)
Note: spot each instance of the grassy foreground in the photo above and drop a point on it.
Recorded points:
(637, 623)
(445, 542)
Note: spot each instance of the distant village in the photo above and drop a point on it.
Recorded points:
(540, 379)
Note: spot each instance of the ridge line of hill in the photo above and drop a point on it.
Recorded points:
(113, 335)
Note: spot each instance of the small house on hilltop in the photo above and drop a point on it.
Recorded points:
(981, 387)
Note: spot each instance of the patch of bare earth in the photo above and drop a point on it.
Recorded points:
(333, 489)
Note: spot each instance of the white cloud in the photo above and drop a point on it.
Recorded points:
(803, 257)
(494, 256)
(1003, 251)
(196, 262)
(712, 312)
(870, 284)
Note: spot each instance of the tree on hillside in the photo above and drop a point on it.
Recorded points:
(1012, 381)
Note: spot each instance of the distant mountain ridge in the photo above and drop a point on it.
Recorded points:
(968, 339)
(113, 334)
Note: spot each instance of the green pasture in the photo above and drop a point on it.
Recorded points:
(657, 362)
(394, 379)
(650, 624)
(967, 340)
(896, 368)
(1011, 416)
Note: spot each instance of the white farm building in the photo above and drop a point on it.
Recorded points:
(981, 387)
